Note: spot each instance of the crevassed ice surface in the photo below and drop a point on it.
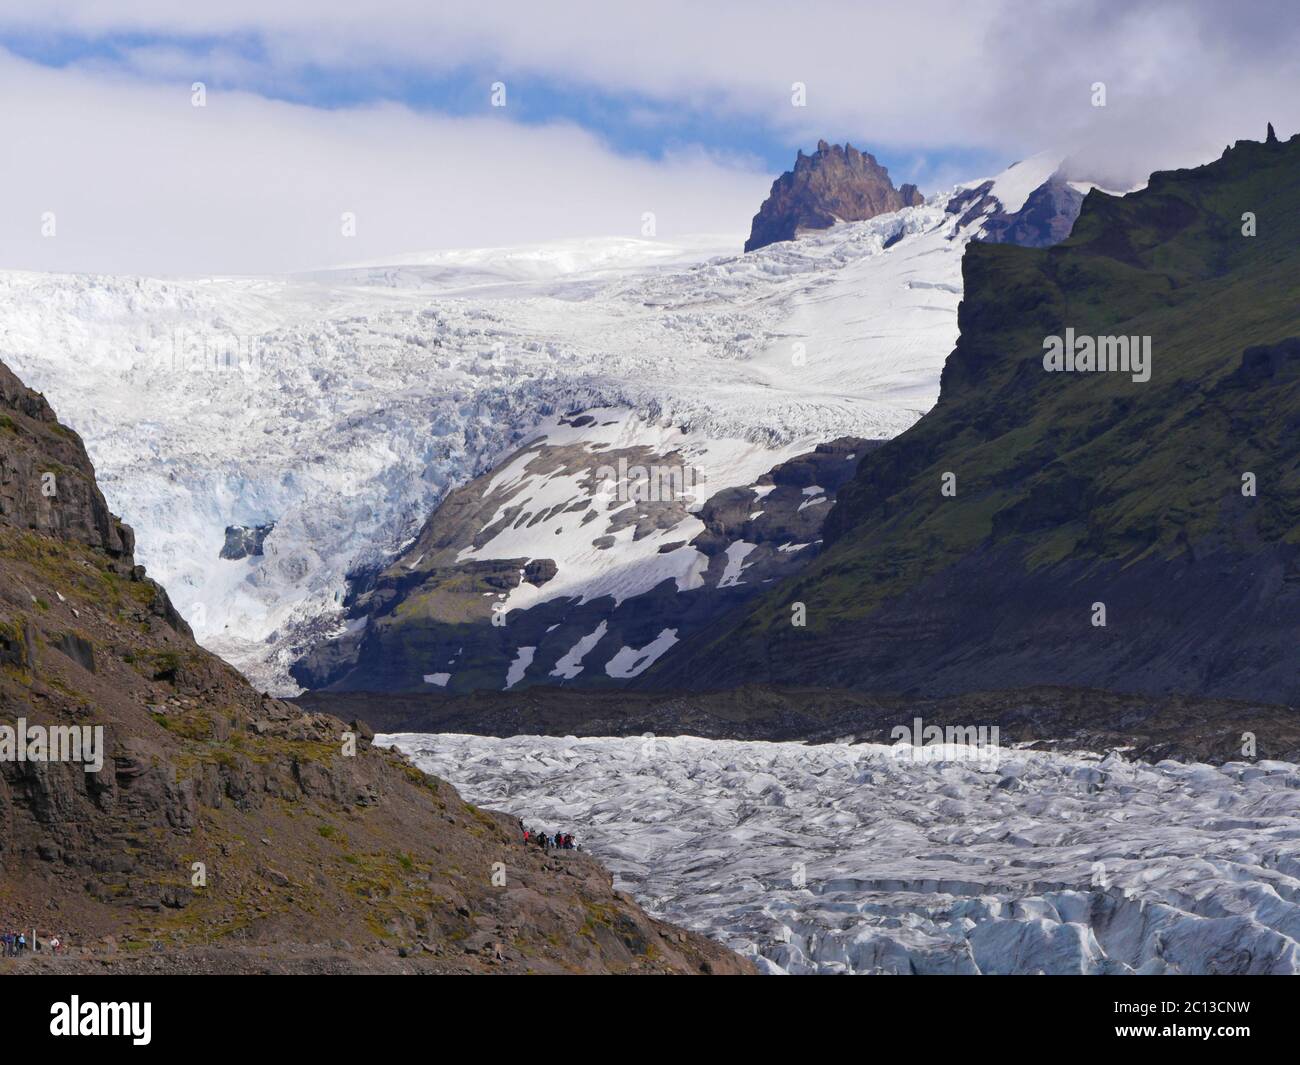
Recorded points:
(843, 858)
(342, 405)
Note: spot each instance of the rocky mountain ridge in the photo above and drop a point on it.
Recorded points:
(1045, 218)
(1100, 531)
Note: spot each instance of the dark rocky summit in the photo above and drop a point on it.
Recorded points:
(228, 831)
(834, 184)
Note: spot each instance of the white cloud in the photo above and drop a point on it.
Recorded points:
(1008, 75)
(140, 181)
(246, 184)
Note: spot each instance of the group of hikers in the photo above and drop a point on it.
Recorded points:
(563, 841)
(14, 944)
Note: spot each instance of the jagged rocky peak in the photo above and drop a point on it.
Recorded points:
(834, 184)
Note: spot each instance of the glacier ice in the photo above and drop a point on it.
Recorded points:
(842, 858)
(342, 405)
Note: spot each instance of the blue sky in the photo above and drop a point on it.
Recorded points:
(680, 109)
(631, 123)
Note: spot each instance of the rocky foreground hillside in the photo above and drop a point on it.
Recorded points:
(228, 831)
(834, 184)
(1103, 529)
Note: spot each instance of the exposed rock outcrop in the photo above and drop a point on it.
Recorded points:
(45, 485)
(1045, 218)
(834, 184)
(245, 541)
(436, 617)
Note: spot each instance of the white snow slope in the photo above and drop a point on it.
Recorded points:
(844, 858)
(342, 405)
(635, 564)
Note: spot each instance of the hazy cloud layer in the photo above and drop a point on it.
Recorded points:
(138, 180)
(1182, 80)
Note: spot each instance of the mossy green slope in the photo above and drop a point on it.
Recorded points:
(1078, 488)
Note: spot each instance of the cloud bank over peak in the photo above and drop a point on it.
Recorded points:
(680, 109)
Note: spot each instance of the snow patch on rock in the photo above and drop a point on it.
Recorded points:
(570, 665)
(523, 659)
(629, 662)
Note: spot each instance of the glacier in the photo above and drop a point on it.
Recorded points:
(342, 405)
(847, 858)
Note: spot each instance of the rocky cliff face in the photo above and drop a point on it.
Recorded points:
(48, 489)
(229, 831)
(1135, 535)
(45, 484)
(834, 184)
